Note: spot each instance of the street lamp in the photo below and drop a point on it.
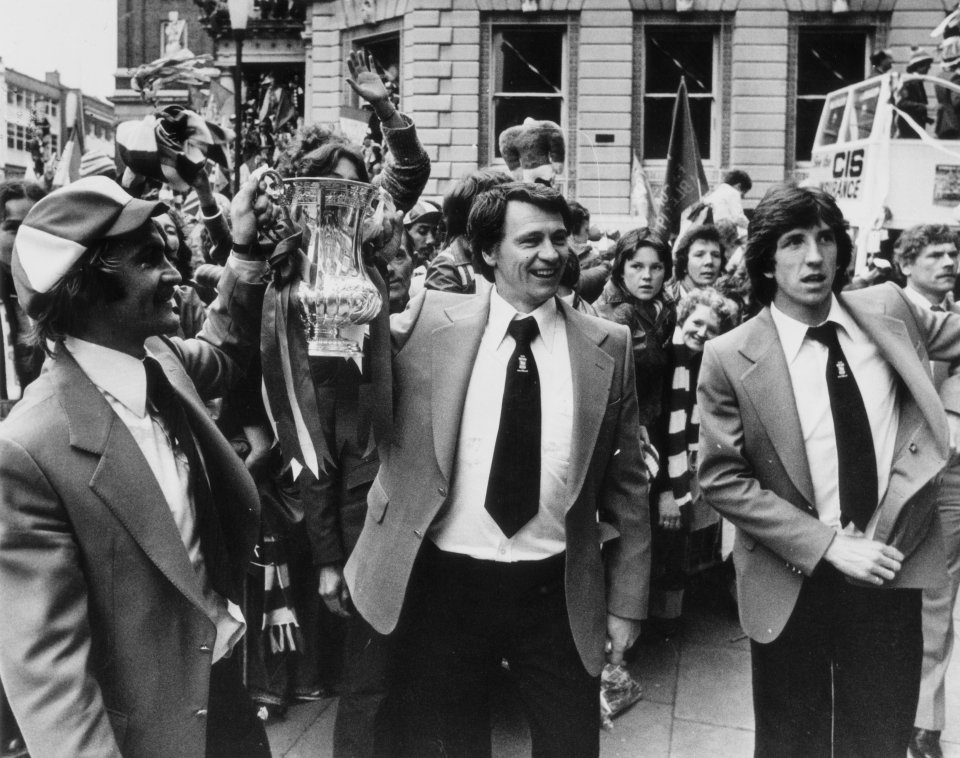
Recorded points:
(240, 11)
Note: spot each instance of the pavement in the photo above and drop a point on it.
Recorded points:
(696, 699)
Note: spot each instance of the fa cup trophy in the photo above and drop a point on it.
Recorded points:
(336, 292)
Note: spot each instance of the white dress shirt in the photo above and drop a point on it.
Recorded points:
(877, 381)
(465, 526)
(920, 300)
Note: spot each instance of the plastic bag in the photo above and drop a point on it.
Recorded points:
(618, 691)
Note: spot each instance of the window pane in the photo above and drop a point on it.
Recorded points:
(826, 60)
(829, 60)
(808, 118)
(863, 113)
(658, 118)
(530, 60)
(510, 111)
(835, 107)
(672, 53)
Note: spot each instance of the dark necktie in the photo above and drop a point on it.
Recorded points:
(936, 308)
(513, 491)
(170, 409)
(857, 461)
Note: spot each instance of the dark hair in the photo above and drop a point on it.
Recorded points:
(787, 207)
(913, 240)
(17, 189)
(459, 198)
(92, 281)
(738, 176)
(578, 216)
(723, 308)
(323, 161)
(701, 233)
(628, 245)
(306, 140)
(489, 211)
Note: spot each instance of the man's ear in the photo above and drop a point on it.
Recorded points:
(490, 256)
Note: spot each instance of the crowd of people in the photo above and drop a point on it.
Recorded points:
(539, 436)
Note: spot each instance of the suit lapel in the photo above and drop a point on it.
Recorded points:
(450, 375)
(122, 479)
(895, 345)
(592, 372)
(767, 383)
(920, 410)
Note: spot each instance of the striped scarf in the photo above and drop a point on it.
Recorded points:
(683, 430)
(280, 625)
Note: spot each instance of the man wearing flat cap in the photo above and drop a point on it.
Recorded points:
(126, 519)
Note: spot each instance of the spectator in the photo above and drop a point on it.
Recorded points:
(702, 315)
(594, 270)
(726, 199)
(912, 96)
(881, 61)
(947, 125)
(452, 269)
(635, 297)
(698, 261)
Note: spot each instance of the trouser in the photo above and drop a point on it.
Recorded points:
(461, 619)
(364, 727)
(843, 677)
(233, 729)
(938, 605)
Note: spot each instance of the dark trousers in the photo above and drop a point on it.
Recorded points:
(233, 729)
(847, 664)
(365, 726)
(461, 619)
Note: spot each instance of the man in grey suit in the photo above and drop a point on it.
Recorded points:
(927, 256)
(515, 454)
(822, 438)
(126, 519)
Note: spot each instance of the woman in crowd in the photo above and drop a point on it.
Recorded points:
(699, 260)
(635, 296)
(675, 497)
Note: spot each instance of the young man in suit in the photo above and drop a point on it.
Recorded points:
(515, 452)
(927, 256)
(126, 519)
(822, 440)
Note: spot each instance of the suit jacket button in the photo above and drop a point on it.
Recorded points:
(204, 648)
(201, 714)
(419, 534)
(442, 491)
(912, 447)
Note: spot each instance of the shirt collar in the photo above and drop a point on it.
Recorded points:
(793, 332)
(119, 374)
(502, 313)
(920, 301)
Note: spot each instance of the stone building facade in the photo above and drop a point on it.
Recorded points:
(607, 71)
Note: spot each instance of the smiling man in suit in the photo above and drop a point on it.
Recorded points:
(822, 438)
(515, 453)
(126, 519)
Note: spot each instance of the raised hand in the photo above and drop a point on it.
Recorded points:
(366, 78)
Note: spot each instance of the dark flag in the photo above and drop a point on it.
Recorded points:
(684, 183)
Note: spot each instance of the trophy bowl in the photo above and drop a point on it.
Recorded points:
(336, 292)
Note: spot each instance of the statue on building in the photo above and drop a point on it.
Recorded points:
(173, 36)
